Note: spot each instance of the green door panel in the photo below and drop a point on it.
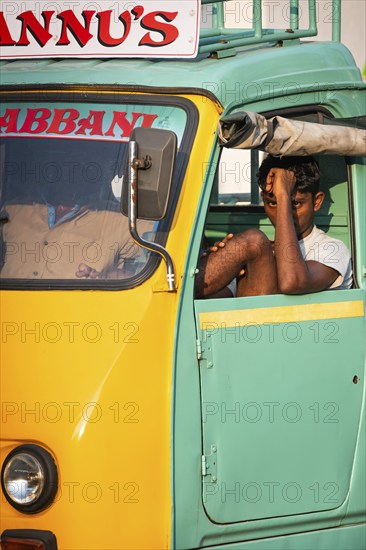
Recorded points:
(281, 402)
(352, 538)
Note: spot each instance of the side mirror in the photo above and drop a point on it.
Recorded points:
(148, 179)
(154, 165)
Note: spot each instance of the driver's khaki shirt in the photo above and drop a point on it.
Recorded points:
(33, 250)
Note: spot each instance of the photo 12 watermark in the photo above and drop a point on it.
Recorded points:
(273, 492)
(72, 412)
(253, 412)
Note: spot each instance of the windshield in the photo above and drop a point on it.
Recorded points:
(62, 172)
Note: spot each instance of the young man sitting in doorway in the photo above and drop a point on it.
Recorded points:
(302, 257)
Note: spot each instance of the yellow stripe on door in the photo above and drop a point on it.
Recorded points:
(283, 314)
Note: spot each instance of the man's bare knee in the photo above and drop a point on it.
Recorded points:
(256, 243)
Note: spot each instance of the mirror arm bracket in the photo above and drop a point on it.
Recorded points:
(136, 164)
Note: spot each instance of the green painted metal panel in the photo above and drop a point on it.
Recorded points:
(359, 200)
(352, 538)
(280, 406)
(250, 75)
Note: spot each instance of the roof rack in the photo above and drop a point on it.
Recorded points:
(218, 38)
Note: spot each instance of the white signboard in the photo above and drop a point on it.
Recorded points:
(105, 28)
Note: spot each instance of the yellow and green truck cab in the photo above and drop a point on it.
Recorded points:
(135, 416)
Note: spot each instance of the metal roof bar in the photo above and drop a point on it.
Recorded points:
(294, 14)
(336, 20)
(218, 37)
(257, 18)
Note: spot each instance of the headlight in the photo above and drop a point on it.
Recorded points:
(29, 478)
(23, 478)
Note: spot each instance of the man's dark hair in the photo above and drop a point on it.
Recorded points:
(306, 171)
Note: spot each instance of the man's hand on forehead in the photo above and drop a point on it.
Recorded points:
(280, 181)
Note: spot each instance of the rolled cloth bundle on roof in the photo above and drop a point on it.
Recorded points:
(280, 136)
